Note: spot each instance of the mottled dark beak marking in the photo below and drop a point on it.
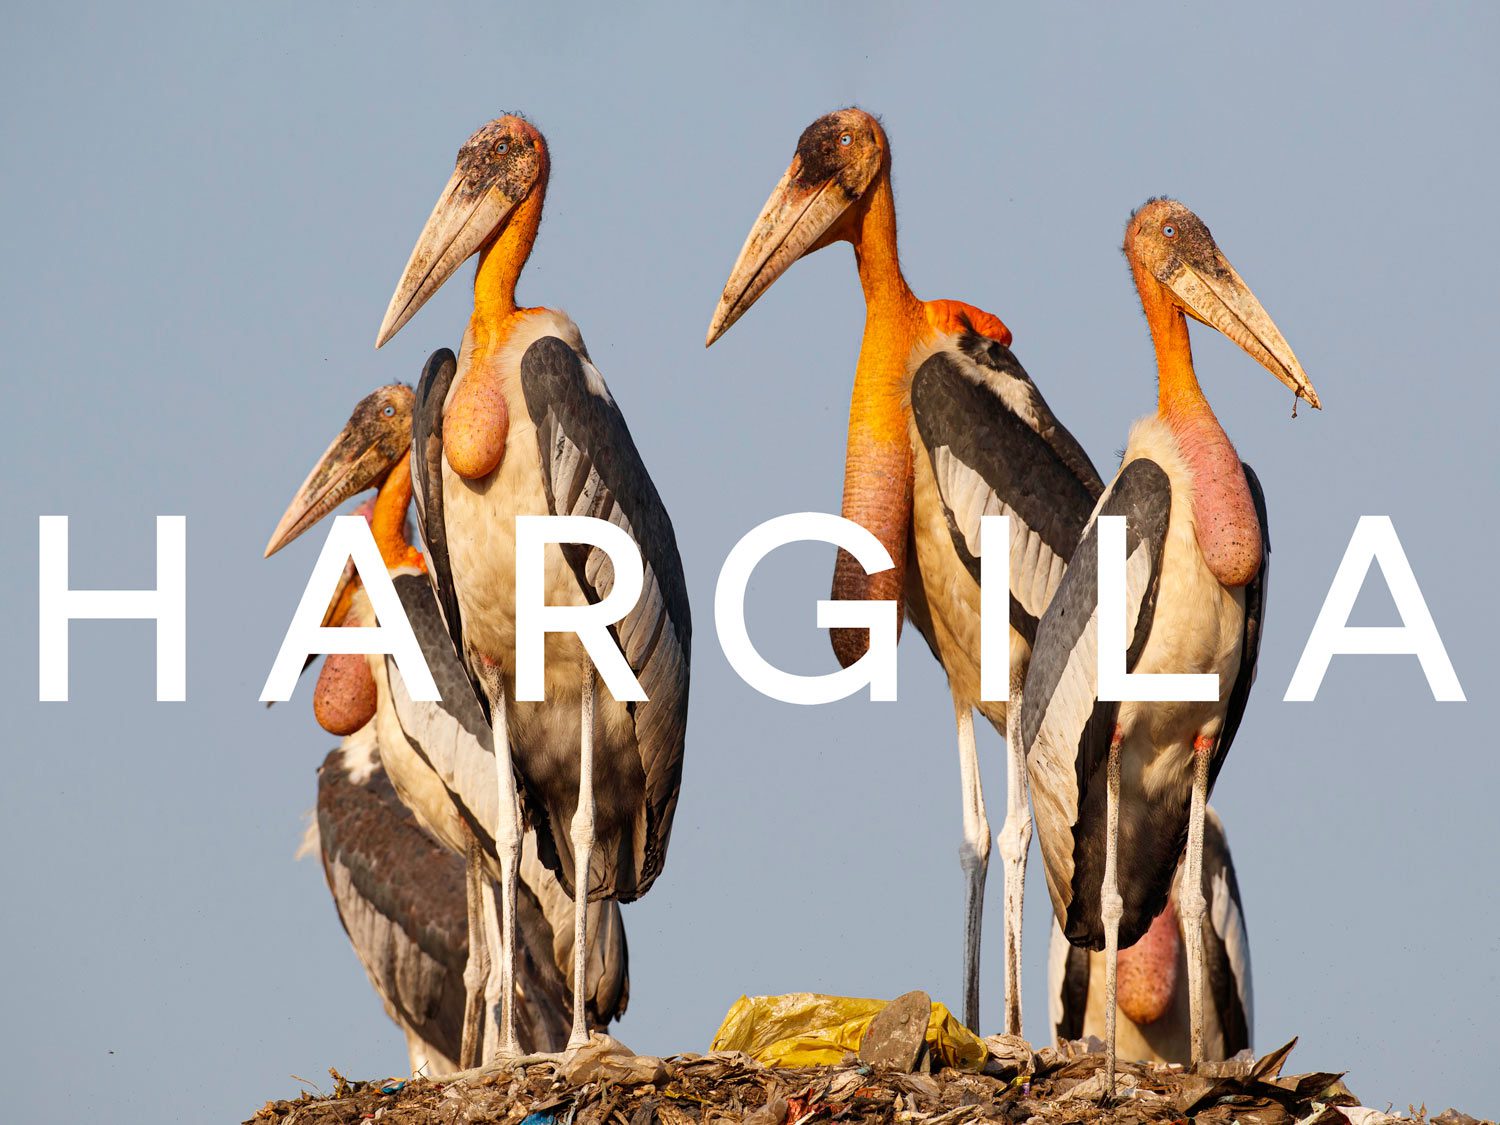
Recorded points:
(837, 158)
(375, 438)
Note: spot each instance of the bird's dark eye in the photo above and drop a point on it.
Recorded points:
(846, 140)
(502, 148)
(389, 411)
(1169, 230)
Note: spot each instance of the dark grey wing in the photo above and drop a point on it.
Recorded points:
(1226, 941)
(1068, 982)
(1255, 609)
(1066, 728)
(590, 467)
(609, 994)
(399, 894)
(996, 449)
(427, 491)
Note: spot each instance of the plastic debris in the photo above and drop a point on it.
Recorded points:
(809, 1029)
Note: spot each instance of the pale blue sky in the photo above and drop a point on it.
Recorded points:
(207, 212)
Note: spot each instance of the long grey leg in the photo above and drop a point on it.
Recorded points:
(583, 854)
(1112, 909)
(508, 851)
(973, 855)
(477, 968)
(1015, 843)
(1191, 901)
(494, 984)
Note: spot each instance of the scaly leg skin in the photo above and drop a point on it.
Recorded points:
(1015, 843)
(1111, 909)
(494, 982)
(477, 968)
(1192, 903)
(973, 856)
(583, 854)
(508, 851)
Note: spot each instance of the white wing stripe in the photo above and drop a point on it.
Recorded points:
(1035, 569)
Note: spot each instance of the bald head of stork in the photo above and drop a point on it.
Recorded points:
(501, 167)
(374, 440)
(1178, 267)
(817, 203)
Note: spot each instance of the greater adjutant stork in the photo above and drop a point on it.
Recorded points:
(1151, 998)
(401, 897)
(523, 425)
(1197, 553)
(438, 761)
(945, 427)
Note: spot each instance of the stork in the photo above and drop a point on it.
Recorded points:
(522, 424)
(1197, 551)
(1150, 997)
(945, 427)
(438, 762)
(400, 896)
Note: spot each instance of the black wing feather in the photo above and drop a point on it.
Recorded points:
(1066, 728)
(993, 442)
(1255, 609)
(1226, 955)
(400, 897)
(590, 466)
(427, 491)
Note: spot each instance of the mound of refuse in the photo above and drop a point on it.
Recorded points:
(886, 1081)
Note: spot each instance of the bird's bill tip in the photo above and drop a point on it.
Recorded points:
(1215, 294)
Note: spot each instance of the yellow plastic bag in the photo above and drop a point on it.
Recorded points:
(806, 1029)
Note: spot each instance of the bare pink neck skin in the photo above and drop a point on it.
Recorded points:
(1146, 972)
(1227, 527)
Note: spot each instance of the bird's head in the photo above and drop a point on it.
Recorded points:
(1170, 248)
(501, 165)
(372, 442)
(817, 202)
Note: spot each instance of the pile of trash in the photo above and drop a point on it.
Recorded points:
(912, 1064)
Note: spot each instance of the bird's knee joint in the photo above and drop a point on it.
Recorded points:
(974, 854)
(1015, 838)
(508, 841)
(475, 974)
(1192, 904)
(581, 831)
(1112, 907)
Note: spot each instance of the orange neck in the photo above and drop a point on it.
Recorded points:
(887, 295)
(878, 464)
(476, 422)
(388, 521)
(894, 320)
(1225, 522)
(1177, 391)
(500, 265)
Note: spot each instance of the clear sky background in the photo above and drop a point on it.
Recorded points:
(205, 215)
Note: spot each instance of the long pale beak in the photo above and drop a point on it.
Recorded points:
(790, 224)
(349, 466)
(464, 218)
(1212, 292)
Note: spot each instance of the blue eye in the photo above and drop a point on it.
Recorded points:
(1169, 230)
(389, 412)
(503, 147)
(846, 140)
